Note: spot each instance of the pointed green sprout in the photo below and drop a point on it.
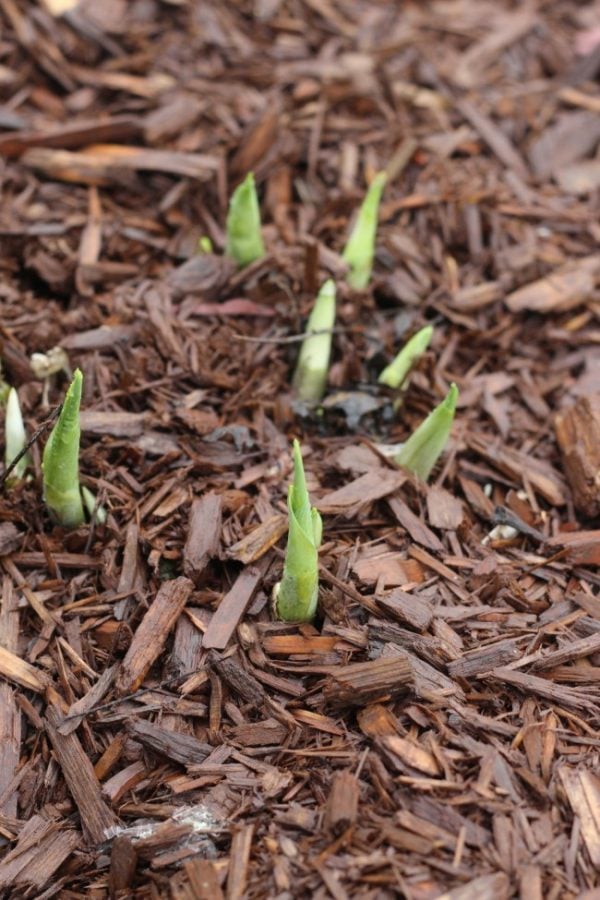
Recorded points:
(425, 445)
(205, 245)
(395, 374)
(96, 512)
(297, 593)
(360, 249)
(60, 462)
(244, 240)
(310, 376)
(16, 439)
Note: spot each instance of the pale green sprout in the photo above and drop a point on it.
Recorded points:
(395, 374)
(96, 512)
(310, 376)
(244, 240)
(205, 245)
(360, 249)
(60, 461)
(296, 595)
(15, 438)
(425, 445)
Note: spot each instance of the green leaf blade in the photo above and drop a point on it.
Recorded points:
(359, 252)
(60, 461)
(296, 596)
(425, 445)
(310, 377)
(244, 240)
(396, 373)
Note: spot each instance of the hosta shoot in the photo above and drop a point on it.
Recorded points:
(60, 461)
(359, 252)
(395, 374)
(310, 376)
(96, 512)
(425, 445)
(244, 240)
(15, 438)
(297, 593)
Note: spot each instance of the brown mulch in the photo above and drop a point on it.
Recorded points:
(436, 732)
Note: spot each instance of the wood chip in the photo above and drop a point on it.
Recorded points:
(152, 632)
(204, 529)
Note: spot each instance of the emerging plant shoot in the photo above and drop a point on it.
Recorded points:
(16, 439)
(244, 240)
(60, 461)
(425, 445)
(296, 595)
(310, 376)
(360, 249)
(395, 374)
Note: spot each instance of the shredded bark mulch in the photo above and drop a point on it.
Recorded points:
(435, 732)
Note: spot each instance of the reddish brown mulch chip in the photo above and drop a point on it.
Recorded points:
(436, 732)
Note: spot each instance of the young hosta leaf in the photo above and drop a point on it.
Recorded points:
(310, 376)
(360, 249)
(244, 240)
(395, 374)
(16, 438)
(96, 512)
(425, 445)
(60, 461)
(297, 593)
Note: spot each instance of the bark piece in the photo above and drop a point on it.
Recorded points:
(123, 862)
(256, 543)
(96, 817)
(581, 548)
(203, 880)
(42, 847)
(564, 289)
(10, 538)
(204, 531)
(259, 734)
(152, 632)
(342, 804)
(582, 790)
(353, 497)
(444, 510)
(13, 668)
(238, 862)
(10, 714)
(232, 607)
(416, 528)
(578, 435)
(182, 748)
(362, 683)
(407, 608)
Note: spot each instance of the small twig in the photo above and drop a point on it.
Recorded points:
(138, 693)
(32, 440)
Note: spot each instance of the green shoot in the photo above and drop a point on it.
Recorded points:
(96, 512)
(60, 461)
(360, 249)
(297, 593)
(205, 245)
(244, 240)
(425, 445)
(395, 374)
(16, 439)
(310, 376)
